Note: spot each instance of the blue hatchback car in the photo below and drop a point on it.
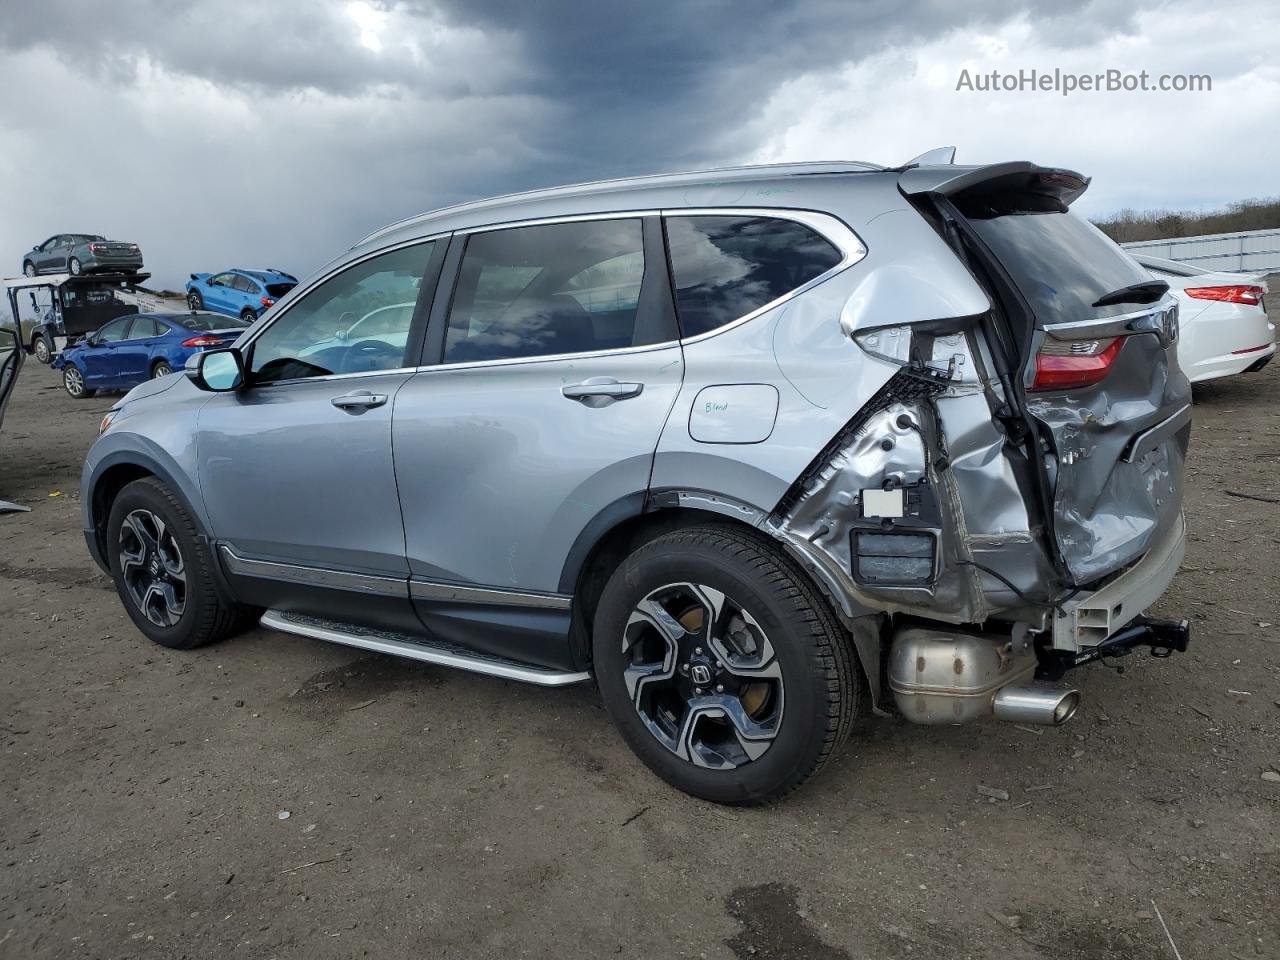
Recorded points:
(238, 293)
(123, 353)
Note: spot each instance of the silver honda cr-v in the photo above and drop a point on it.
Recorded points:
(760, 450)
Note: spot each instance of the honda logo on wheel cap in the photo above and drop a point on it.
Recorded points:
(701, 674)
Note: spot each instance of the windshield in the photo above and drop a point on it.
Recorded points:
(1060, 263)
(203, 322)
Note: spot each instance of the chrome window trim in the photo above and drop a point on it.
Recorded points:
(315, 576)
(831, 228)
(464, 593)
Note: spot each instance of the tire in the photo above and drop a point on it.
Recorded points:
(73, 267)
(814, 689)
(248, 315)
(28, 268)
(193, 612)
(42, 348)
(73, 381)
(195, 301)
(161, 369)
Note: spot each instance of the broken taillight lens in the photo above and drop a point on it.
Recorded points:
(1070, 364)
(1240, 293)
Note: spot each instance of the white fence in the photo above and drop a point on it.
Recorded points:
(1253, 251)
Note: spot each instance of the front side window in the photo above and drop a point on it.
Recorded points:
(355, 322)
(549, 289)
(724, 267)
(113, 332)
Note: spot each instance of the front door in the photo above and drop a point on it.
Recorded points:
(559, 367)
(101, 361)
(296, 468)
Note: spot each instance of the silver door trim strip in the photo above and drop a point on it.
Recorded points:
(274, 620)
(462, 593)
(315, 576)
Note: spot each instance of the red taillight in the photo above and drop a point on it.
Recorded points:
(1068, 364)
(202, 342)
(93, 248)
(1243, 293)
(267, 301)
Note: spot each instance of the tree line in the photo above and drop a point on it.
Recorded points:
(1129, 225)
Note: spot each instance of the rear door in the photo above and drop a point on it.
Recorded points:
(133, 353)
(1099, 376)
(552, 370)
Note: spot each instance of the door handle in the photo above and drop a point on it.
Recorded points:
(359, 400)
(601, 391)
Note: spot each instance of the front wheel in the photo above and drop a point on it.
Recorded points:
(73, 267)
(195, 301)
(163, 569)
(42, 348)
(722, 667)
(28, 269)
(73, 380)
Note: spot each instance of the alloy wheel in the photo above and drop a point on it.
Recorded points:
(194, 301)
(73, 267)
(41, 349)
(152, 568)
(162, 369)
(29, 269)
(702, 675)
(74, 381)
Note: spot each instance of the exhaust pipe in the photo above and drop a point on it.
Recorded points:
(1043, 705)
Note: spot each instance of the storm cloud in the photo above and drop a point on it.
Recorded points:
(220, 133)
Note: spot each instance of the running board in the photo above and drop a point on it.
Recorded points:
(415, 648)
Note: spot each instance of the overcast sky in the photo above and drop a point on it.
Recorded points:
(223, 133)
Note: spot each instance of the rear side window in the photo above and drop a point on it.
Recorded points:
(725, 267)
(245, 285)
(144, 327)
(1061, 264)
(550, 289)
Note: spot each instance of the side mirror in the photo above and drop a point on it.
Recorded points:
(220, 371)
(91, 339)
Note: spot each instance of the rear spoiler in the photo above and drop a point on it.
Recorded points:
(1016, 176)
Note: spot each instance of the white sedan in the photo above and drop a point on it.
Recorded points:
(1222, 321)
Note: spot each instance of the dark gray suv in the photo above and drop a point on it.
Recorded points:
(758, 450)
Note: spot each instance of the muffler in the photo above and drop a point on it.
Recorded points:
(943, 677)
(1035, 705)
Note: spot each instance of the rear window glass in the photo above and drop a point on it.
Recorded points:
(1061, 263)
(278, 290)
(204, 322)
(726, 267)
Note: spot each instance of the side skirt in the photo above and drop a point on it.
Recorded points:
(416, 648)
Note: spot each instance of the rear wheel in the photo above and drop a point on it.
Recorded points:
(248, 315)
(28, 268)
(161, 369)
(721, 666)
(73, 380)
(42, 347)
(73, 267)
(163, 571)
(195, 301)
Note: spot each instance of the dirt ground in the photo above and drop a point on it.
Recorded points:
(277, 797)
